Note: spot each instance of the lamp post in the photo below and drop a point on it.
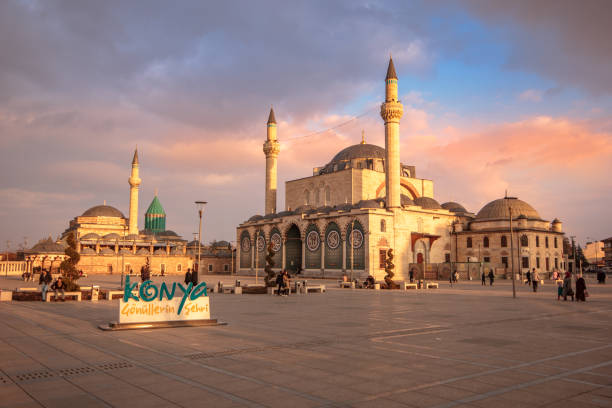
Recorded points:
(574, 254)
(350, 241)
(200, 206)
(511, 249)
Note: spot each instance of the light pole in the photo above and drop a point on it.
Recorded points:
(574, 253)
(511, 250)
(200, 206)
(350, 241)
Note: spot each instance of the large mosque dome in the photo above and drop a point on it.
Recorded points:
(499, 209)
(103, 211)
(358, 154)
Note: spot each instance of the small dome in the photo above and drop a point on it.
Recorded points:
(220, 244)
(132, 237)
(256, 218)
(143, 251)
(107, 251)
(47, 246)
(177, 251)
(91, 235)
(369, 204)
(168, 233)
(160, 251)
(406, 200)
(285, 213)
(111, 236)
(454, 207)
(556, 221)
(358, 151)
(88, 251)
(344, 207)
(269, 216)
(427, 203)
(125, 251)
(303, 209)
(499, 209)
(103, 211)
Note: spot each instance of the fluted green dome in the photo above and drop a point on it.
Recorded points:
(155, 217)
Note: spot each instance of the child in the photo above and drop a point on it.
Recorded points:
(559, 290)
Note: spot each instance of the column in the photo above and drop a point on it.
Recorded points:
(322, 254)
(343, 253)
(303, 266)
(283, 261)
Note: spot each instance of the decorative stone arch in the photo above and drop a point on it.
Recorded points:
(294, 236)
(420, 247)
(358, 247)
(312, 256)
(413, 192)
(260, 254)
(333, 246)
(285, 229)
(277, 245)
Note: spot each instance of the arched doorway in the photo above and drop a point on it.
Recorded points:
(420, 258)
(293, 250)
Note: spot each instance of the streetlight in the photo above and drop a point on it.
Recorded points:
(574, 254)
(200, 206)
(511, 247)
(350, 240)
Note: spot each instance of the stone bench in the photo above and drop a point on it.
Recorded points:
(6, 295)
(108, 293)
(66, 294)
(431, 285)
(343, 284)
(273, 290)
(407, 285)
(28, 290)
(236, 290)
(315, 288)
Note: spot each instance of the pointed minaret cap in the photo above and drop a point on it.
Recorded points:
(391, 70)
(363, 137)
(271, 118)
(135, 159)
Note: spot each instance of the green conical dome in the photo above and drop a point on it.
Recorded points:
(155, 217)
(156, 207)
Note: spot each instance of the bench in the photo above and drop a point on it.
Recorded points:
(28, 290)
(350, 285)
(6, 295)
(315, 288)
(236, 290)
(406, 286)
(108, 294)
(432, 285)
(66, 294)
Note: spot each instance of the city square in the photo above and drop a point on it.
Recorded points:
(305, 204)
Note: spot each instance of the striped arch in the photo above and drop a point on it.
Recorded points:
(245, 256)
(413, 192)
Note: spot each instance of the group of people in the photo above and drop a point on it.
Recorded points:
(565, 288)
(282, 280)
(483, 278)
(58, 286)
(532, 279)
(191, 277)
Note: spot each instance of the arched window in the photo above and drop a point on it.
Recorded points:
(555, 242)
(469, 242)
(485, 242)
(316, 197)
(537, 240)
(383, 226)
(327, 195)
(524, 241)
(306, 197)
(546, 241)
(504, 241)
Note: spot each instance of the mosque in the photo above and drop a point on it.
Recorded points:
(110, 242)
(344, 218)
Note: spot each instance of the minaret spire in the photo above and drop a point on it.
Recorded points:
(391, 111)
(134, 182)
(271, 148)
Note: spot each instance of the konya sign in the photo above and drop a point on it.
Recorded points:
(160, 303)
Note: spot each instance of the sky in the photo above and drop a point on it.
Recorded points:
(498, 96)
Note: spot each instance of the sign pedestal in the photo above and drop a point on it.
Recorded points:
(153, 306)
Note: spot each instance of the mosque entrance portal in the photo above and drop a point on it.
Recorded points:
(293, 250)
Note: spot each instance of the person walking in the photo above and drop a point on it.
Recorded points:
(45, 280)
(187, 276)
(581, 292)
(286, 283)
(567, 286)
(528, 276)
(535, 280)
(280, 282)
(491, 277)
(194, 276)
(483, 279)
(59, 286)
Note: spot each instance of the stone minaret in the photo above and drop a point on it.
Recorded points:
(391, 111)
(271, 148)
(134, 181)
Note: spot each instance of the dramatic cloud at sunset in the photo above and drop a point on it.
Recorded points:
(498, 96)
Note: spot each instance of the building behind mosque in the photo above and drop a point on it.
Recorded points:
(344, 218)
(110, 242)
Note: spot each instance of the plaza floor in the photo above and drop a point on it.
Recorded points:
(462, 346)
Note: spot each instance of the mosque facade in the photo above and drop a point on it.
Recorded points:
(110, 242)
(344, 218)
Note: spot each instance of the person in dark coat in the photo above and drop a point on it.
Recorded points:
(567, 286)
(194, 277)
(528, 276)
(483, 279)
(491, 278)
(580, 289)
(188, 276)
